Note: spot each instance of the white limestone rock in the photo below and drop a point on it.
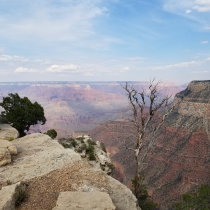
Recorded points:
(102, 156)
(121, 196)
(7, 197)
(37, 155)
(5, 156)
(7, 132)
(9, 145)
(84, 200)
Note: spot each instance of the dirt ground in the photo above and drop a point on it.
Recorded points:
(42, 192)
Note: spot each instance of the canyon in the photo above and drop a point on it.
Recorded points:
(74, 108)
(180, 159)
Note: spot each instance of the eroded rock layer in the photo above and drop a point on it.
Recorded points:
(180, 159)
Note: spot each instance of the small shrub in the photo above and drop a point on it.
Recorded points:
(103, 147)
(81, 148)
(66, 145)
(20, 196)
(90, 149)
(92, 156)
(72, 142)
(8, 182)
(81, 138)
(70, 139)
(52, 133)
(90, 152)
(10, 138)
(91, 142)
(111, 166)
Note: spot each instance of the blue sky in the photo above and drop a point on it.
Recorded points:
(104, 40)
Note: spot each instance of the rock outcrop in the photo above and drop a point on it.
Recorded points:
(5, 156)
(7, 132)
(7, 196)
(94, 152)
(37, 155)
(49, 169)
(7, 149)
(9, 145)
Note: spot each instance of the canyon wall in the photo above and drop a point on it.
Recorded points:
(73, 108)
(180, 159)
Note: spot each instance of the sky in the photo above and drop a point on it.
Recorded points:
(104, 40)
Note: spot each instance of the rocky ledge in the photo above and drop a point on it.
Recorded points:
(47, 174)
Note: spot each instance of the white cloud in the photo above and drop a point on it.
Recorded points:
(24, 70)
(4, 72)
(200, 72)
(208, 59)
(126, 68)
(204, 42)
(177, 65)
(191, 9)
(188, 11)
(136, 58)
(63, 68)
(187, 5)
(13, 58)
(202, 5)
(51, 20)
(88, 74)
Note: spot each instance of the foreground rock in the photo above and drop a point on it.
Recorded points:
(5, 156)
(8, 145)
(50, 169)
(84, 200)
(7, 132)
(7, 197)
(37, 155)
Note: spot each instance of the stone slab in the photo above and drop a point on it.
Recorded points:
(84, 201)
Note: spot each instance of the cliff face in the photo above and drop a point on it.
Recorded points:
(180, 159)
(115, 134)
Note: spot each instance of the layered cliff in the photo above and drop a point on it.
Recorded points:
(180, 159)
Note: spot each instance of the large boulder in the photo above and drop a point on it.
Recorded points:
(84, 200)
(7, 132)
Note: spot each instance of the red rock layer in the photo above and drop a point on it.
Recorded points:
(180, 159)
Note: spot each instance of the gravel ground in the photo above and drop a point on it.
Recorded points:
(42, 192)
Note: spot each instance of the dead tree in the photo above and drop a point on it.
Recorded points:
(149, 111)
